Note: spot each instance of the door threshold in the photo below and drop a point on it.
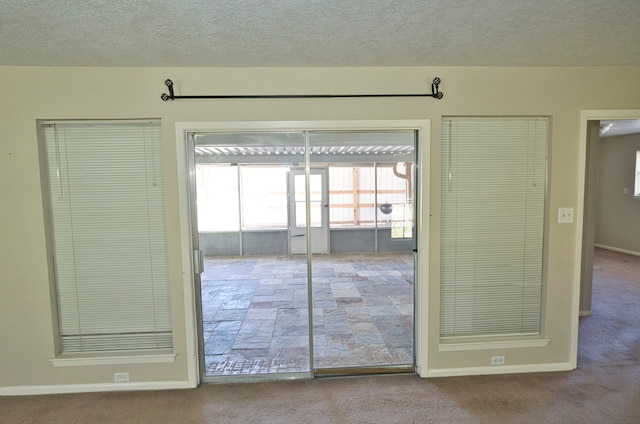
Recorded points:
(252, 378)
(335, 372)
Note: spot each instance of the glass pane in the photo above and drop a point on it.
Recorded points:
(300, 188)
(315, 185)
(217, 197)
(264, 197)
(395, 200)
(316, 210)
(254, 299)
(363, 290)
(315, 182)
(342, 202)
(300, 195)
(254, 293)
(301, 215)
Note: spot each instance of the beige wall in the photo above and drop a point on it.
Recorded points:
(32, 93)
(617, 223)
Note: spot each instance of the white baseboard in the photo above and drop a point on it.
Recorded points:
(617, 249)
(90, 388)
(499, 369)
(585, 313)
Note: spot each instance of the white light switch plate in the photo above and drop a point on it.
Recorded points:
(565, 215)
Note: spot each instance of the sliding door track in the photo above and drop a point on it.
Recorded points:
(341, 372)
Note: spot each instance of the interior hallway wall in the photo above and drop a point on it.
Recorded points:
(618, 213)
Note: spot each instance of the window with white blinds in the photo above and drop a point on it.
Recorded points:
(636, 190)
(106, 201)
(492, 226)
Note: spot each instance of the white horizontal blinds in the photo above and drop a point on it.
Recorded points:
(493, 202)
(637, 182)
(107, 204)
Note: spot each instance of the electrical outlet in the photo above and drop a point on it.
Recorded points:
(565, 215)
(497, 360)
(120, 377)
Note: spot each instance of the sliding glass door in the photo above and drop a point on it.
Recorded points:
(304, 236)
(363, 292)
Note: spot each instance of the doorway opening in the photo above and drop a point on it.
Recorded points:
(308, 247)
(609, 141)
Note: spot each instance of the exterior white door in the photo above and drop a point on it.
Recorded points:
(318, 211)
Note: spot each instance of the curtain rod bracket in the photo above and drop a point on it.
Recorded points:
(435, 93)
(169, 96)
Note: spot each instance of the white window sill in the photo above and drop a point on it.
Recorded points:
(506, 344)
(76, 361)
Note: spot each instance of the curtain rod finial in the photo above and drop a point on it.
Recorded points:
(165, 97)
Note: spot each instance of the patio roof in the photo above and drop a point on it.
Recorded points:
(289, 147)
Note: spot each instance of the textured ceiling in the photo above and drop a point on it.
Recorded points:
(301, 33)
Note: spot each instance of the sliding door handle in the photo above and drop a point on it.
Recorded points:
(198, 262)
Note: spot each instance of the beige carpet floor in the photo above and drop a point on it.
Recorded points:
(604, 389)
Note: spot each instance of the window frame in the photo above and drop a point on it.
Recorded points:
(454, 339)
(636, 186)
(66, 354)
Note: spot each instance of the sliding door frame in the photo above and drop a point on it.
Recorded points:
(190, 266)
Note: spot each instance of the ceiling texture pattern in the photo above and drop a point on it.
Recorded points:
(319, 33)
